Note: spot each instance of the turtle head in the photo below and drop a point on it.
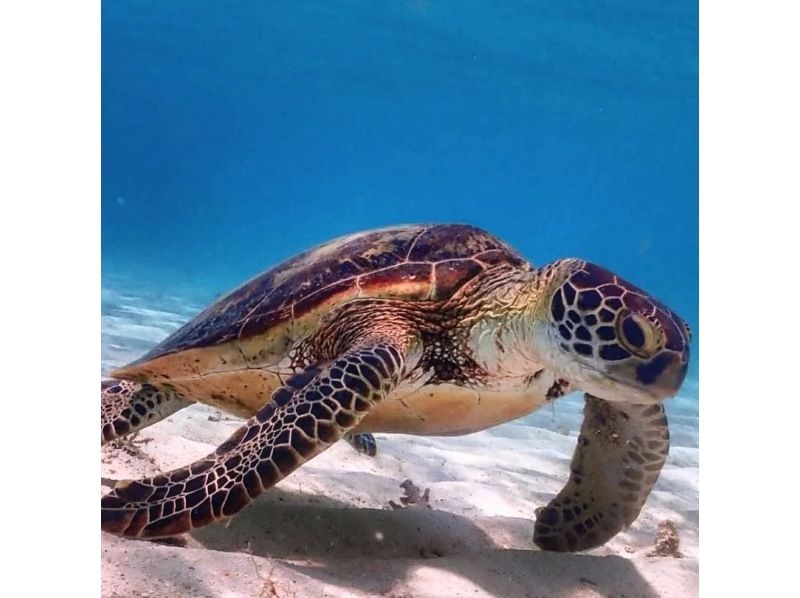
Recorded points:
(608, 337)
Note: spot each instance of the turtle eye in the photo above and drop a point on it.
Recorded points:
(637, 334)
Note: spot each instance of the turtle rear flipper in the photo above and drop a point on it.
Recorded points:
(363, 443)
(621, 450)
(308, 414)
(127, 407)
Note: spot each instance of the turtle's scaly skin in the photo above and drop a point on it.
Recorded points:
(437, 329)
(611, 455)
(299, 423)
(127, 407)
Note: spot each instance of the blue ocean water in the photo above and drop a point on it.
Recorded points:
(236, 134)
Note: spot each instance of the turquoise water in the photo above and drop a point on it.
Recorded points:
(237, 134)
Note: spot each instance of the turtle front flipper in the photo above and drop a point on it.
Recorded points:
(620, 452)
(313, 410)
(127, 407)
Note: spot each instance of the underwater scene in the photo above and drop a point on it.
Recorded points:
(238, 135)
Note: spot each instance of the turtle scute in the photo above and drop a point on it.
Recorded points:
(417, 262)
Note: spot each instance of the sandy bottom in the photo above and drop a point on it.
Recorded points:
(329, 530)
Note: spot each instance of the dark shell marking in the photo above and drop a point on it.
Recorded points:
(439, 259)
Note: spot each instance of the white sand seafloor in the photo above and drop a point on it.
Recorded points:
(328, 529)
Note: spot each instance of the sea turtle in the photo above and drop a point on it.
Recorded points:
(432, 330)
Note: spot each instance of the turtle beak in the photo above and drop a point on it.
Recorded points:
(664, 374)
(649, 382)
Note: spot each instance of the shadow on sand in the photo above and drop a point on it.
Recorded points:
(330, 541)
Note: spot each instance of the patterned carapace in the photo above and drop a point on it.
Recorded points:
(434, 259)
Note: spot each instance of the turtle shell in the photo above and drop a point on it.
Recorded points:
(257, 324)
